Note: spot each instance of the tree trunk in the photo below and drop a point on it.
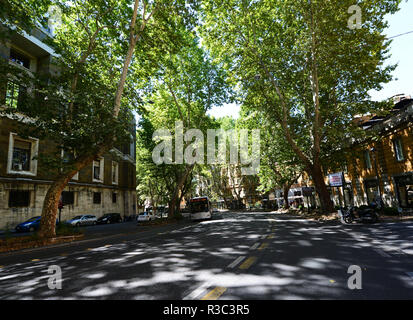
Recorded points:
(321, 189)
(51, 201)
(286, 189)
(175, 196)
(226, 202)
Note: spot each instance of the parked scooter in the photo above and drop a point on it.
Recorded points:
(364, 215)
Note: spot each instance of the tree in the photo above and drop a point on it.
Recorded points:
(188, 85)
(300, 63)
(107, 51)
(279, 166)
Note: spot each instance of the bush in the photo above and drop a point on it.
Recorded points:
(64, 229)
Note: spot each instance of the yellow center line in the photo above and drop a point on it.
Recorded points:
(214, 294)
(271, 236)
(34, 260)
(263, 246)
(247, 263)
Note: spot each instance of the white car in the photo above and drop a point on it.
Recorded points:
(83, 220)
(146, 216)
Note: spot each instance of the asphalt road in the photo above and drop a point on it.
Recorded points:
(235, 256)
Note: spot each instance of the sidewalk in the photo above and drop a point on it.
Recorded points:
(335, 216)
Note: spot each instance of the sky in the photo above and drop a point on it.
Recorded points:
(401, 53)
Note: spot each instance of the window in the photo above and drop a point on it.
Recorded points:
(404, 187)
(19, 58)
(367, 160)
(22, 153)
(372, 190)
(12, 94)
(68, 157)
(115, 172)
(132, 148)
(398, 149)
(114, 196)
(19, 198)
(68, 198)
(97, 197)
(98, 170)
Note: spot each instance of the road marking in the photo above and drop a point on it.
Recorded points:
(271, 236)
(247, 263)
(235, 263)
(34, 260)
(214, 294)
(197, 292)
(263, 246)
(254, 246)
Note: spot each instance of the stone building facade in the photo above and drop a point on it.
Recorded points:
(382, 168)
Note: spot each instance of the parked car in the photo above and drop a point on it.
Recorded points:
(146, 216)
(83, 220)
(30, 225)
(109, 218)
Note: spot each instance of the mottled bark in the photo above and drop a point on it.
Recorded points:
(51, 202)
(286, 190)
(175, 196)
(321, 189)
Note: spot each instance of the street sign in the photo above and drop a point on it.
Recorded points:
(336, 179)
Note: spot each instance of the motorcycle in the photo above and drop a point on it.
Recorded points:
(363, 215)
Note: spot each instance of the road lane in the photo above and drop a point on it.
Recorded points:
(282, 258)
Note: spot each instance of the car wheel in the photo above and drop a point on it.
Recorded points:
(77, 224)
(107, 222)
(31, 229)
(94, 223)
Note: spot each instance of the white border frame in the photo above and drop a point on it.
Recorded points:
(33, 153)
(101, 170)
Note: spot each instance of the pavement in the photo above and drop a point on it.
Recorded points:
(234, 256)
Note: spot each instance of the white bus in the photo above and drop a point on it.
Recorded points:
(200, 208)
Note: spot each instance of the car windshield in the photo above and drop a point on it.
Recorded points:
(33, 219)
(77, 217)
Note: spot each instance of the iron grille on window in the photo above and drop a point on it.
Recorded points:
(68, 197)
(96, 197)
(19, 198)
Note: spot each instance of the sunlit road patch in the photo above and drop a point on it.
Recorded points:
(241, 256)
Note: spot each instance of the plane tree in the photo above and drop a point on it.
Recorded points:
(105, 54)
(307, 64)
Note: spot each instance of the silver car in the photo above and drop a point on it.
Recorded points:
(83, 220)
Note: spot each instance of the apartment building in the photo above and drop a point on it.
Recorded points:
(382, 168)
(106, 185)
